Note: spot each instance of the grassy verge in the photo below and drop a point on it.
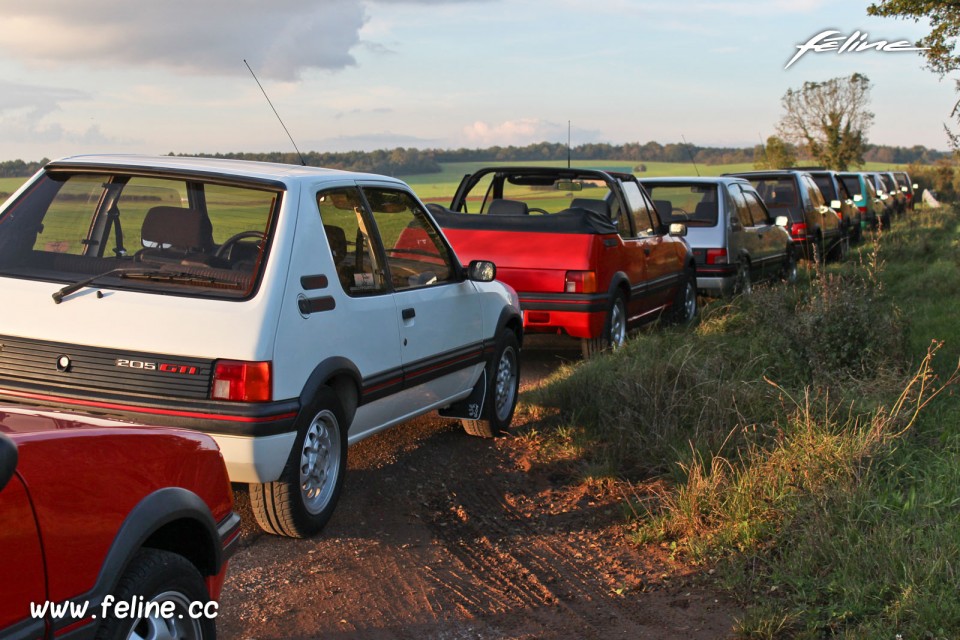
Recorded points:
(810, 440)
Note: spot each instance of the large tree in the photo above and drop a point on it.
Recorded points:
(941, 53)
(944, 20)
(829, 119)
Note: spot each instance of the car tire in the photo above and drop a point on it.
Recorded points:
(503, 388)
(614, 329)
(300, 503)
(685, 303)
(789, 272)
(164, 577)
(743, 284)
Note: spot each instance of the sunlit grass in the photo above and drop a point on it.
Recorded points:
(820, 476)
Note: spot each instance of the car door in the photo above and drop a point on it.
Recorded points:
(666, 256)
(768, 247)
(826, 217)
(745, 237)
(438, 312)
(639, 240)
(349, 305)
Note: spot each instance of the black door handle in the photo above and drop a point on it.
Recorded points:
(408, 314)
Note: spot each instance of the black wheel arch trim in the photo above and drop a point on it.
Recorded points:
(152, 513)
(509, 318)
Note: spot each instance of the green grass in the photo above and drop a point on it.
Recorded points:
(821, 482)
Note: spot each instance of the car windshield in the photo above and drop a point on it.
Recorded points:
(69, 226)
(531, 193)
(690, 203)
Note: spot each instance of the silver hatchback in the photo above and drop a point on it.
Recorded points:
(734, 239)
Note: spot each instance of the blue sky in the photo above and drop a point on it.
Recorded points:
(97, 76)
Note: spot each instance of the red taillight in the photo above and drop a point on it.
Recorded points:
(863, 210)
(798, 229)
(716, 256)
(242, 381)
(580, 282)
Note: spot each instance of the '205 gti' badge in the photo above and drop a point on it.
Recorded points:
(163, 367)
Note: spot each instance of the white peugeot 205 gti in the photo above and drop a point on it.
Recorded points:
(288, 311)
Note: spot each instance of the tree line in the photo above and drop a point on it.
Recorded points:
(412, 161)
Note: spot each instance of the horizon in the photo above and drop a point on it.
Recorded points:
(370, 75)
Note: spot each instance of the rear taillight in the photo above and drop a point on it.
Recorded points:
(580, 282)
(863, 210)
(798, 230)
(242, 381)
(716, 256)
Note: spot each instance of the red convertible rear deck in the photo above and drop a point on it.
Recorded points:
(587, 267)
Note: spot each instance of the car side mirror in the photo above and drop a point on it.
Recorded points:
(835, 204)
(482, 271)
(678, 229)
(8, 460)
(782, 221)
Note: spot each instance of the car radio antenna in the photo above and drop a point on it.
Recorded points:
(302, 161)
(568, 144)
(690, 153)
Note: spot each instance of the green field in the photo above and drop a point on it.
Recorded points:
(439, 187)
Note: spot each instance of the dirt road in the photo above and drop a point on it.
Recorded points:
(441, 535)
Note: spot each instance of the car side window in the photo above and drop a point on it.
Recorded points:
(758, 212)
(416, 254)
(741, 211)
(644, 215)
(635, 204)
(813, 191)
(350, 243)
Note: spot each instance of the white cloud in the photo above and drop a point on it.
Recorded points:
(514, 132)
(280, 39)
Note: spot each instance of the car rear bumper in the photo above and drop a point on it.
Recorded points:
(578, 315)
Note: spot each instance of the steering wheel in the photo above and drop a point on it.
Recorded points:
(224, 249)
(683, 212)
(537, 210)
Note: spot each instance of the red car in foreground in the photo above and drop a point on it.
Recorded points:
(109, 529)
(585, 249)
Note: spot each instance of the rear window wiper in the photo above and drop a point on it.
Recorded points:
(137, 274)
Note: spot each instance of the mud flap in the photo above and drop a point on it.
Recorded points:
(471, 407)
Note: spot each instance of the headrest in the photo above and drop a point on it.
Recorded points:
(507, 207)
(165, 227)
(591, 204)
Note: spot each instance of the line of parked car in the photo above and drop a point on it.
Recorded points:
(263, 317)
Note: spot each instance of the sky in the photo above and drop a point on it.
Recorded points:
(101, 76)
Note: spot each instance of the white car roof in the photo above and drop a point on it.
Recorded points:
(227, 167)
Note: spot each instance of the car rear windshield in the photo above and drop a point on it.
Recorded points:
(690, 203)
(852, 183)
(777, 193)
(176, 235)
(826, 186)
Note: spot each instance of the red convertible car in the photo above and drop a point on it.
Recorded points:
(585, 249)
(110, 530)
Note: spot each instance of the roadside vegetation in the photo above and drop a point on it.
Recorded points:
(808, 438)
